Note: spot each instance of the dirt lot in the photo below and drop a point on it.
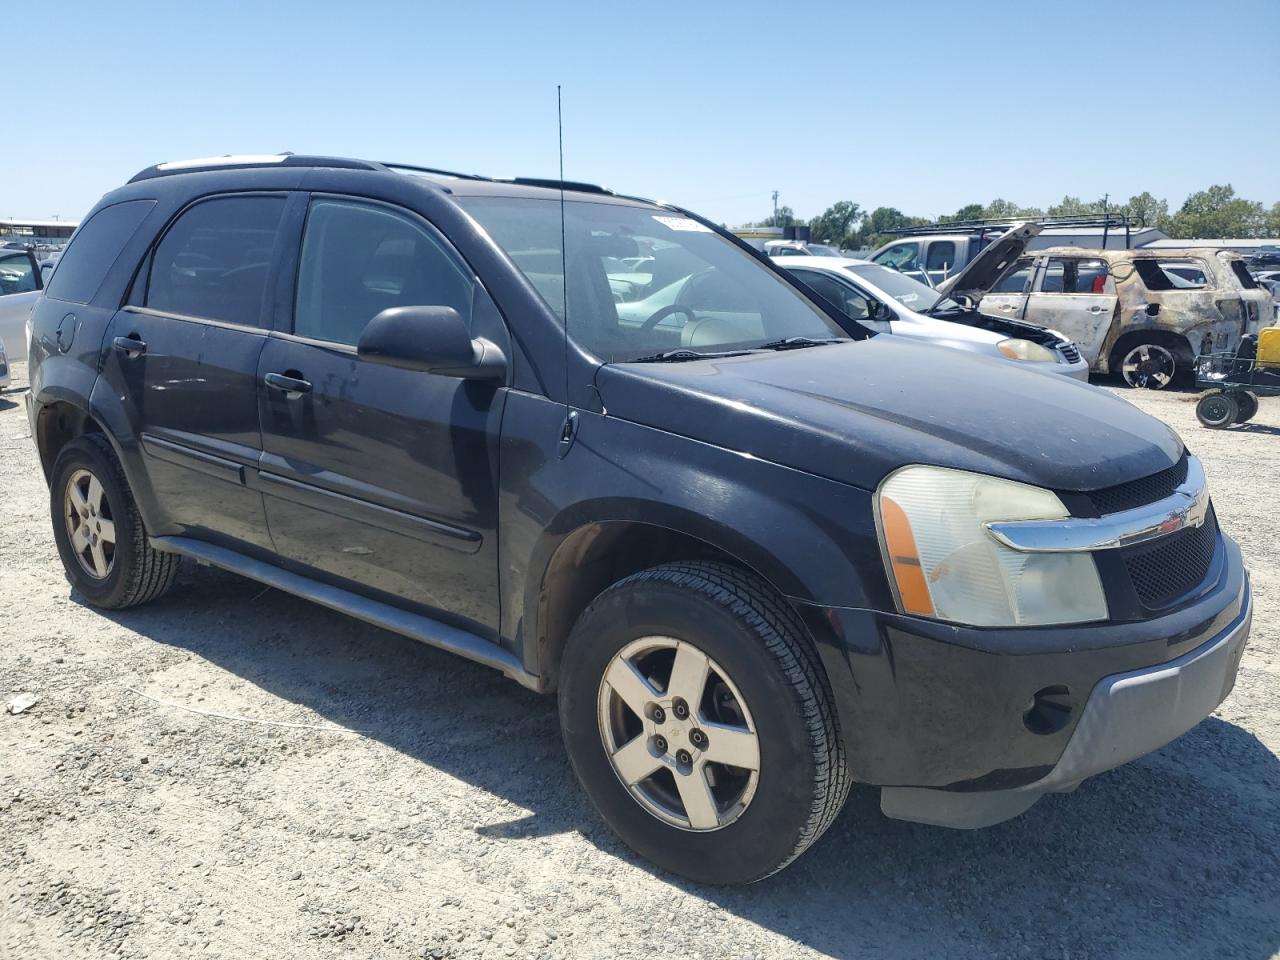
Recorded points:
(433, 814)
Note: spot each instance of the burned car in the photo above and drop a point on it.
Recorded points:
(1144, 314)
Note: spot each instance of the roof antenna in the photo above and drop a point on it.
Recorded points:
(569, 430)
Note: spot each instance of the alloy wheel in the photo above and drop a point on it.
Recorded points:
(1148, 365)
(678, 734)
(90, 526)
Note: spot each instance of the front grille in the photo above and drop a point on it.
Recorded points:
(1175, 565)
(1069, 351)
(1138, 493)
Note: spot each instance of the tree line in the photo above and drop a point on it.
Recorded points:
(1214, 213)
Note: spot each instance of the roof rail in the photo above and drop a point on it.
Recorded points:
(245, 161)
(413, 168)
(1106, 221)
(551, 183)
(248, 161)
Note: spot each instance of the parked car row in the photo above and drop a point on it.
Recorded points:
(759, 549)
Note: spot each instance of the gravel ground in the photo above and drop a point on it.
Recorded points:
(433, 813)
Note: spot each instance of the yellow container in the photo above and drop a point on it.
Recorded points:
(1269, 347)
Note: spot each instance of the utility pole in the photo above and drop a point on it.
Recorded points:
(775, 208)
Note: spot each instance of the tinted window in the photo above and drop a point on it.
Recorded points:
(942, 255)
(94, 249)
(1015, 281)
(16, 275)
(358, 260)
(213, 262)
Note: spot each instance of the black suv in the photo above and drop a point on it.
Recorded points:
(603, 446)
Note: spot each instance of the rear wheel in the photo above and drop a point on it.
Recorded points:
(698, 720)
(1217, 411)
(1149, 366)
(99, 532)
(1246, 405)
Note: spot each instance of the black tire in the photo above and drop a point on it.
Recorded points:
(1246, 406)
(1217, 411)
(137, 573)
(755, 637)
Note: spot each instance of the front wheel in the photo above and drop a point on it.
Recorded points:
(699, 722)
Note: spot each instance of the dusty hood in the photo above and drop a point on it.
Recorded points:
(981, 272)
(857, 411)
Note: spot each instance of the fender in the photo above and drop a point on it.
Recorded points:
(811, 537)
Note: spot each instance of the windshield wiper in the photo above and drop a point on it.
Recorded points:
(797, 343)
(679, 356)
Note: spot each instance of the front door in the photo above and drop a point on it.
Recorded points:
(381, 478)
(183, 354)
(1077, 297)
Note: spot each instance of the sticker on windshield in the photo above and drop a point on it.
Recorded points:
(909, 298)
(683, 223)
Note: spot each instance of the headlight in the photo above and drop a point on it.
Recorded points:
(1026, 350)
(943, 563)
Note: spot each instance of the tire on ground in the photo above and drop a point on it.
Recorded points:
(1217, 411)
(138, 573)
(738, 621)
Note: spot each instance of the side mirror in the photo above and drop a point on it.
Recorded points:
(881, 311)
(430, 339)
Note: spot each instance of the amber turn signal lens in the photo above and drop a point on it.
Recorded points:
(904, 559)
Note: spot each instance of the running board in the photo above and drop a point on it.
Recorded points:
(415, 625)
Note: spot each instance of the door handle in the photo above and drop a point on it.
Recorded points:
(293, 387)
(1095, 309)
(131, 346)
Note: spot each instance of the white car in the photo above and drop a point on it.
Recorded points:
(891, 302)
(20, 287)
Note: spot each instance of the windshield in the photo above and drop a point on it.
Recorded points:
(643, 281)
(910, 293)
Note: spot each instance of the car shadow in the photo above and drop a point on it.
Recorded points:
(1174, 855)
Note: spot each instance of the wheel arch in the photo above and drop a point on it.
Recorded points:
(595, 553)
(58, 422)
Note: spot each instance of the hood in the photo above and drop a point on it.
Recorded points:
(983, 270)
(856, 411)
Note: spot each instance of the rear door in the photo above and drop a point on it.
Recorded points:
(382, 478)
(183, 355)
(1077, 297)
(1007, 297)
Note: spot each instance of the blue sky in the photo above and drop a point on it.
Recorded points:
(924, 106)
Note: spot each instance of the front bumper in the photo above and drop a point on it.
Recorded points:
(1127, 716)
(928, 708)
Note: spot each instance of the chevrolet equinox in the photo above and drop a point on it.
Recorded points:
(601, 445)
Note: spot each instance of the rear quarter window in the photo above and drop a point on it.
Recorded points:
(94, 248)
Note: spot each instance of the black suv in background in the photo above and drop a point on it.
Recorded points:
(603, 446)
